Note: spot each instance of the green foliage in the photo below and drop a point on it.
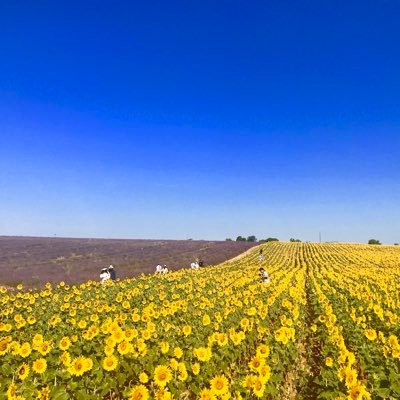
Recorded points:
(270, 239)
(251, 238)
(240, 239)
(374, 241)
(294, 240)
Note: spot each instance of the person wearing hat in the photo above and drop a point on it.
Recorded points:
(111, 270)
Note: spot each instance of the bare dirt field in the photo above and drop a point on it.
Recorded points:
(36, 260)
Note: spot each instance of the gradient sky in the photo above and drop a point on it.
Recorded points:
(202, 120)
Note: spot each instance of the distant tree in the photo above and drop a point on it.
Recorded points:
(271, 239)
(240, 239)
(374, 241)
(251, 238)
(228, 240)
(294, 240)
(396, 244)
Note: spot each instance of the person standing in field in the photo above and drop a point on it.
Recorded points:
(104, 275)
(112, 272)
(264, 275)
(261, 257)
(159, 269)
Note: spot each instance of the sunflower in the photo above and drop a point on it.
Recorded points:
(178, 353)
(263, 351)
(206, 320)
(207, 394)
(328, 361)
(196, 368)
(44, 394)
(139, 392)
(45, 348)
(65, 358)
(219, 384)
(64, 343)
(182, 375)
(110, 363)
(370, 334)
(164, 346)
(39, 365)
(163, 394)
(187, 330)
(12, 391)
(202, 353)
(25, 350)
(255, 363)
(358, 392)
(143, 378)
(23, 371)
(162, 375)
(258, 387)
(351, 377)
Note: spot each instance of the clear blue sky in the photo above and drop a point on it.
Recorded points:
(201, 119)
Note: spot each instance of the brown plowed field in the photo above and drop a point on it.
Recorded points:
(34, 261)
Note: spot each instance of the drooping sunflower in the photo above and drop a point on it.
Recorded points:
(162, 375)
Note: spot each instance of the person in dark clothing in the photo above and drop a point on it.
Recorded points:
(111, 270)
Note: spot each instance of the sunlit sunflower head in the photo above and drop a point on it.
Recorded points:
(23, 371)
(45, 348)
(25, 350)
(143, 378)
(329, 361)
(178, 353)
(219, 384)
(162, 375)
(64, 343)
(370, 334)
(187, 330)
(258, 387)
(110, 363)
(358, 392)
(77, 366)
(164, 346)
(39, 365)
(263, 351)
(44, 394)
(207, 394)
(196, 368)
(139, 392)
(256, 362)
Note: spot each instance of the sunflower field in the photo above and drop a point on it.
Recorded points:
(327, 326)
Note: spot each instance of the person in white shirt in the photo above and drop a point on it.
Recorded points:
(104, 275)
(264, 275)
(159, 269)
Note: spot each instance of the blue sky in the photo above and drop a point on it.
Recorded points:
(200, 119)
